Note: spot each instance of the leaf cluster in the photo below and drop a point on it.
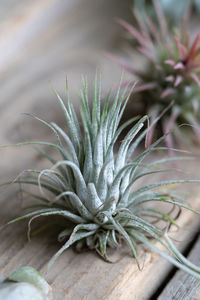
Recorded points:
(95, 189)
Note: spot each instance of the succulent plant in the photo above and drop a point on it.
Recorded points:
(174, 13)
(171, 73)
(93, 189)
(25, 283)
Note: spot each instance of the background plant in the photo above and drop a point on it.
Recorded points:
(173, 12)
(94, 189)
(171, 72)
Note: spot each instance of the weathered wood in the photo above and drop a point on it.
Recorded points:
(45, 41)
(85, 276)
(183, 286)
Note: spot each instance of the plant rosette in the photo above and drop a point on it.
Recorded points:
(92, 187)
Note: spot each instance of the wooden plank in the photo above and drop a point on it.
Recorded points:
(183, 286)
(85, 276)
(47, 40)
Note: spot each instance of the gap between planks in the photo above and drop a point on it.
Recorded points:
(184, 286)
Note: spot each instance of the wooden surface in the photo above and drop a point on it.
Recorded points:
(41, 42)
(183, 286)
(85, 276)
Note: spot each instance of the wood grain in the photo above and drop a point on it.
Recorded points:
(85, 276)
(184, 286)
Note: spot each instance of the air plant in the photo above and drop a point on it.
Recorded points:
(25, 283)
(171, 73)
(174, 13)
(181, 7)
(93, 190)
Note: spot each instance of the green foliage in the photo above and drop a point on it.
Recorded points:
(93, 189)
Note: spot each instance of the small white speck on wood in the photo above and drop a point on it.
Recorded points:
(20, 291)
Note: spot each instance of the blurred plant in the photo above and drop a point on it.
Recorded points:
(93, 189)
(171, 72)
(25, 283)
(173, 11)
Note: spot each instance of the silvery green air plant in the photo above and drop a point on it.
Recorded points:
(92, 187)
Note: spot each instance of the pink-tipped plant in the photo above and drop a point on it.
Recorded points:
(171, 72)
